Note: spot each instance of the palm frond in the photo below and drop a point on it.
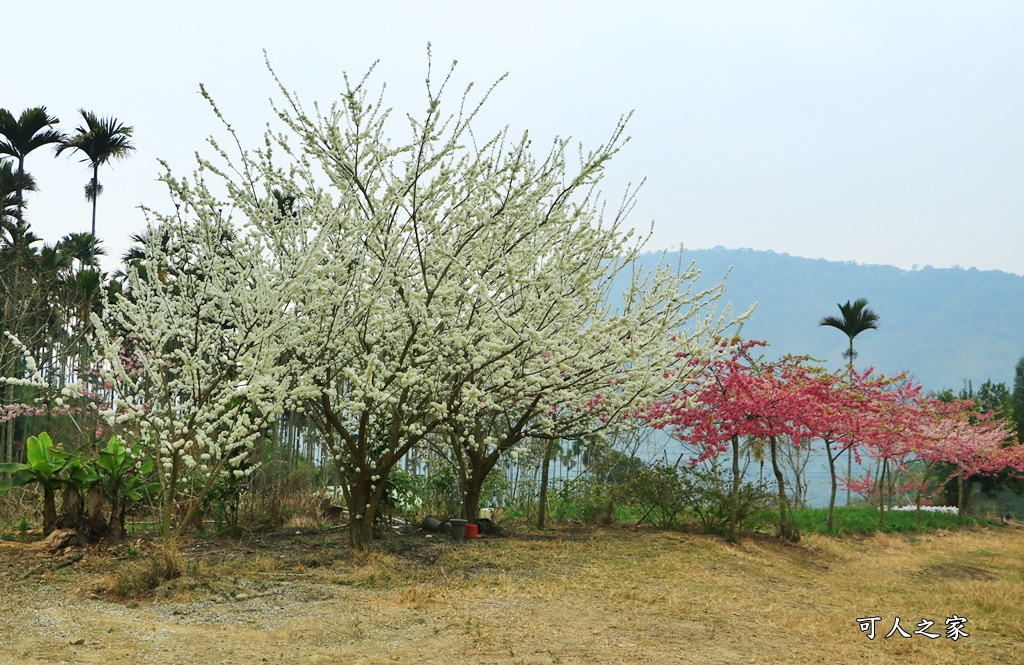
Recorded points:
(29, 131)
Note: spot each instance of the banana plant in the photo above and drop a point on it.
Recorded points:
(46, 465)
(124, 478)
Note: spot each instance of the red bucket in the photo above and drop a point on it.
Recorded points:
(472, 531)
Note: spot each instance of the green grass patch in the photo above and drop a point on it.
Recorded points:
(865, 520)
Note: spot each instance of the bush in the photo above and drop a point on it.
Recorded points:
(585, 502)
(711, 490)
(663, 495)
(660, 494)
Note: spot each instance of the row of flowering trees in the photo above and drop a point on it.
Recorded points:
(791, 401)
(446, 290)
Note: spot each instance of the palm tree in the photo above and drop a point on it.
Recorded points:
(81, 247)
(30, 131)
(856, 318)
(12, 183)
(155, 237)
(101, 140)
(25, 300)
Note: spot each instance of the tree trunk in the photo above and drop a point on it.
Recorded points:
(475, 471)
(95, 194)
(168, 496)
(95, 525)
(830, 523)
(787, 529)
(471, 498)
(849, 473)
(881, 493)
(920, 492)
(71, 509)
(962, 499)
(7, 433)
(49, 509)
(364, 502)
(734, 494)
(115, 525)
(542, 497)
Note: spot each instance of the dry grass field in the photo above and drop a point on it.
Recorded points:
(568, 595)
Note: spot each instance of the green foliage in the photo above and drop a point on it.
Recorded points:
(663, 495)
(591, 503)
(610, 465)
(224, 496)
(441, 492)
(711, 499)
(864, 521)
(403, 494)
(660, 494)
(45, 464)
(855, 319)
(123, 471)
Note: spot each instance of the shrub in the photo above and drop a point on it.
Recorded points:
(585, 502)
(663, 495)
(710, 496)
(659, 493)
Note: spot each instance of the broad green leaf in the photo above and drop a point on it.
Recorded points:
(21, 478)
(34, 450)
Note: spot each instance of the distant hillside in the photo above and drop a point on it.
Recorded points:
(944, 326)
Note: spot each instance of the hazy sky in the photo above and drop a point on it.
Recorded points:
(875, 132)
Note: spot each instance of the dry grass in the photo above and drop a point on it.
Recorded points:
(580, 596)
(688, 598)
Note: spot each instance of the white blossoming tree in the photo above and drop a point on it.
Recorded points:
(201, 315)
(579, 364)
(446, 279)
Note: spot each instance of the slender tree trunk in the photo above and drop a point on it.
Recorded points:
(881, 492)
(849, 473)
(542, 498)
(920, 492)
(95, 194)
(962, 503)
(168, 499)
(849, 453)
(734, 494)
(830, 524)
(21, 189)
(8, 430)
(787, 529)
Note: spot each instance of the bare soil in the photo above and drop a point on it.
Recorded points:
(568, 595)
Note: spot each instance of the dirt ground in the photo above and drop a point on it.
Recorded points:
(569, 595)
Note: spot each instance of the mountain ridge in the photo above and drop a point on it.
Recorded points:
(945, 326)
